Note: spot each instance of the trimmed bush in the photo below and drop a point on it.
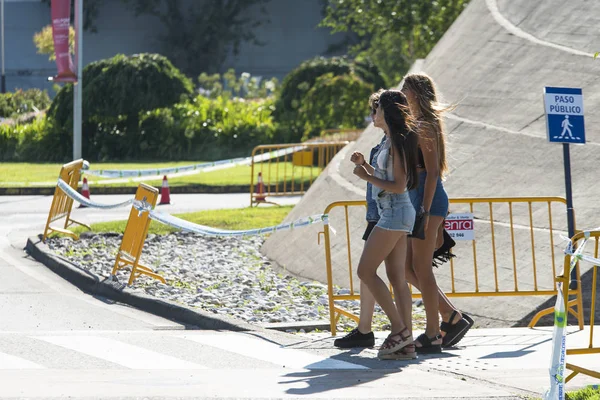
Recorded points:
(334, 102)
(15, 104)
(115, 92)
(208, 129)
(301, 80)
(27, 142)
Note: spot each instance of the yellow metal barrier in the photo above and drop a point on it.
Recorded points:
(290, 174)
(135, 235)
(564, 278)
(504, 260)
(62, 204)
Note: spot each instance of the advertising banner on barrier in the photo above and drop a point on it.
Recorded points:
(61, 20)
(460, 226)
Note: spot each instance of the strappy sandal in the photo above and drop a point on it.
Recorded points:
(427, 346)
(391, 344)
(453, 333)
(408, 352)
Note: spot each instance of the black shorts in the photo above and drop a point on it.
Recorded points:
(370, 226)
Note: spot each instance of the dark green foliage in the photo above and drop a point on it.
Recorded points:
(588, 393)
(393, 33)
(31, 142)
(334, 102)
(208, 129)
(15, 104)
(300, 81)
(115, 92)
(198, 35)
(123, 85)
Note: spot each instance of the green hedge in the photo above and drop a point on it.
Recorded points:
(142, 108)
(28, 142)
(15, 104)
(334, 102)
(116, 92)
(207, 129)
(297, 84)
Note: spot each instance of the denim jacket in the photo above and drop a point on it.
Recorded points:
(372, 214)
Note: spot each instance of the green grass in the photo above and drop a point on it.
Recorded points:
(26, 174)
(584, 394)
(587, 393)
(233, 219)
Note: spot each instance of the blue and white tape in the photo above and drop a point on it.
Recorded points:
(557, 359)
(188, 226)
(136, 173)
(72, 193)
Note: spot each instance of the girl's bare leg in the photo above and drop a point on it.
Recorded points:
(395, 264)
(379, 245)
(422, 251)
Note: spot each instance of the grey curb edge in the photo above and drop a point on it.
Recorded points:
(91, 284)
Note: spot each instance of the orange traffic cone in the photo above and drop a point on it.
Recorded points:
(85, 191)
(165, 193)
(260, 189)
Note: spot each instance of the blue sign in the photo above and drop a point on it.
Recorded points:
(564, 115)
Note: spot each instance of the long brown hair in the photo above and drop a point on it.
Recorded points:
(400, 123)
(432, 112)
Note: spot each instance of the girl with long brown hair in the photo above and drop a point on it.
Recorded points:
(392, 173)
(431, 201)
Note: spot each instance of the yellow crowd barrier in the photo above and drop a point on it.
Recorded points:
(135, 234)
(290, 174)
(517, 256)
(62, 204)
(591, 349)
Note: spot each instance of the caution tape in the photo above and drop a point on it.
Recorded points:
(188, 226)
(577, 254)
(74, 194)
(131, 173)
(557, 359)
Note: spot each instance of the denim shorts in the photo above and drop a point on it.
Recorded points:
(439, 204)
(396, 212)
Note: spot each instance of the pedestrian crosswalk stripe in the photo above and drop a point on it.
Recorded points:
(271, 352)
(8, 361)
(124, 354)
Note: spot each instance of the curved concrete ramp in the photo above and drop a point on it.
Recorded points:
(493, 63)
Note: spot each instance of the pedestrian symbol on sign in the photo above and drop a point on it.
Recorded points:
(564, 115)
(566, 127)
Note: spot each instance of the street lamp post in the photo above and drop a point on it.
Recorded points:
(78, 87)
(2, 40)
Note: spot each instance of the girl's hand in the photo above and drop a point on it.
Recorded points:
(361, 172)
(357, 158)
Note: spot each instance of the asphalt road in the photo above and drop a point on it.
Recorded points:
(57, 342)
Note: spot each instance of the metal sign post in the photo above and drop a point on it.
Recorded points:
(565, 124)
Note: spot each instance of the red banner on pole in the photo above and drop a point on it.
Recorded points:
(61, 20)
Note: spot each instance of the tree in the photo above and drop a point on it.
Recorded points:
(45, 44)
(199, 34)
(199, 38)
(393, 33)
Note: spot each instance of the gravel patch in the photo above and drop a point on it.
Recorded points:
(221, 275)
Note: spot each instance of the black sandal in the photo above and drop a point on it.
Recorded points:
(455, 332)
(427, 346)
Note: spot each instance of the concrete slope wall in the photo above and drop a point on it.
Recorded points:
(493, 63)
